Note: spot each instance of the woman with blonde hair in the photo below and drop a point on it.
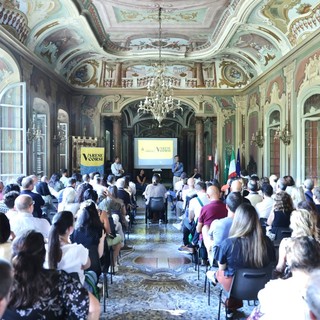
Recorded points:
(303, 223)
(246, 247)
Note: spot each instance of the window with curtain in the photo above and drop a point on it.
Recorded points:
(13, 132)
(274, 145)
(311, 138)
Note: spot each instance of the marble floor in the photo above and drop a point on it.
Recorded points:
(156, 281)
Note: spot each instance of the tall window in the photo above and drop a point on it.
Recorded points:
(39, 144)
(13, 132)
(274, 145)
(312, 138)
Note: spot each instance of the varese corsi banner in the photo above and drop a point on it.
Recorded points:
(92, 160)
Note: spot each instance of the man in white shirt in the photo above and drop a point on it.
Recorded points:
(253, 196)
(25, 221)
(116, 168)
(264, 208)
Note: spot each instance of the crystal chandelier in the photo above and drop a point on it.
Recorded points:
(159, 100)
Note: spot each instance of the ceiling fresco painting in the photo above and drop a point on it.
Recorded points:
(235, 41)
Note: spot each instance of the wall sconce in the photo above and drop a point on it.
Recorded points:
(33, 133)
(59, 137)
(257, 139)
(284, 135)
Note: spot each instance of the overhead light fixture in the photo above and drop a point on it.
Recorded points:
(159, 101)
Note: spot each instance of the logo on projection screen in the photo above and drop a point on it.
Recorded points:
(152, 152)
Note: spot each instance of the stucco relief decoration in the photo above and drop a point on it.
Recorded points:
(259, 47)
(226, 110)
(57, 44)
(89, 111)
(85, 75)
(175, 44)
(253, 102)
(208, 107)
(5, 69)
(232, 75)
(107, 107)
(280, 11)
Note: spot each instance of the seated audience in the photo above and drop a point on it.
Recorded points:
(141, 181)
(5, 232)
(27, 186)
(114, 205)
(9, 199)
(253, 196)
(297, 195)
(302, 223)
(219, 228)
(246, 247)
(62, 254)
(89, 232)
(283, 299)
(316, 199)
(55, 185)
(216, 209)
(291, 185)
(5, 284)
(82, 187)
(280, 215)
(1, 189)
(155, 189)
(38, 293)
(68, 201)
(308, 186)
(24, 220)
(312, 296)
(264, 207)
(190, 222)
(8, 188)
(43, 189)
(114, 240)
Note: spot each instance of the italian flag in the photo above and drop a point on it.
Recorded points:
(232, 166)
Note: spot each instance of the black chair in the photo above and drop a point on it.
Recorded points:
(156, 205)
(281, 233)
(246, 284)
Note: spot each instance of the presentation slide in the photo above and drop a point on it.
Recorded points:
(154, 153)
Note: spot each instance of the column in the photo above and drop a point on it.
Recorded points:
(199, 144)
(118, 75)
(116, 136)
(200, 79)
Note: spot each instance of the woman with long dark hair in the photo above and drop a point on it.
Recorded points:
(89, 232)
(38, 293)
(62, 254)
(246, 247)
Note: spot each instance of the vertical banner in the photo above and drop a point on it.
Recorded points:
(92, 160)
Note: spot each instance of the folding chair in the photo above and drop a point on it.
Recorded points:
(246, 284)
(156, 205)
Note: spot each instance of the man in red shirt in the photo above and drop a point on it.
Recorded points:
(216, 209)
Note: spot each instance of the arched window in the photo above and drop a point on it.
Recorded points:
(13, 132)
(311, 122)
(274, 144)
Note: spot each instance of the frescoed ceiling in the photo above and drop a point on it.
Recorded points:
(234, 41)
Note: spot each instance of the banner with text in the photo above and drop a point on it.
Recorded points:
(92, 160)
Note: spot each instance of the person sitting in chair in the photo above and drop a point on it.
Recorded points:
(155, 190)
